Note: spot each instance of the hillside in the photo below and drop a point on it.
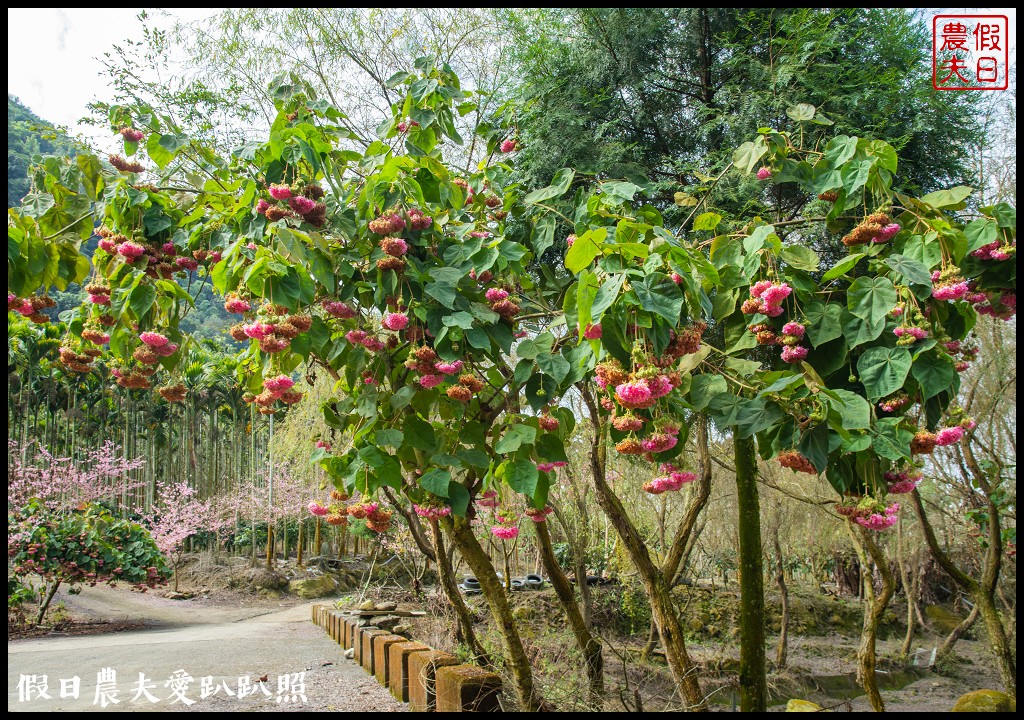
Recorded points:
(27, 135)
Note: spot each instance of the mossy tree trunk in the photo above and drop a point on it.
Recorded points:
(782, 650)
(653, 580)
(753, 679)
(687, 532)
(984, 592)
(588, 644)
(958, 632)
(493, 590)
(446, 576)
(910, 579)
(874, 608)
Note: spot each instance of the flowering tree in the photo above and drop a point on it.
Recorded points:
(175, 517)
(62, 484)
(418, 288)
(80, 546)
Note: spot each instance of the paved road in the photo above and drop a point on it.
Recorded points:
(221, 643)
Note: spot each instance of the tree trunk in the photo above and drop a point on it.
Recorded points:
(873, 610)
(270, 544)
(662, 607)
(958, 632)
(780, 579)
(501, 612)
(997, 640)
(298, 556)
(983, 593)
(907, 583)
(753, 679)
(45, 605)
(446, 576)
(588, 644)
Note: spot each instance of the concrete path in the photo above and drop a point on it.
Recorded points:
(221, 648)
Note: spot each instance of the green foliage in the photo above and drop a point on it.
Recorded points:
(415, 424)
(29, 137)
(663, 96)
(84, 546)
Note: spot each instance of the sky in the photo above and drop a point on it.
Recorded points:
(54, 55)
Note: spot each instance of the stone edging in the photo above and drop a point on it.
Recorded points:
(429, 680)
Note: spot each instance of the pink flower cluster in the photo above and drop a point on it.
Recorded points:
(481, 234)
(887, 233)
(549, 466)
(505, 532)
(539, 516)
(237, 305)
(914, 332)
(130, 250)
(952, 291)
(302, 205)
(996, 251)
(893, 403)
(426, 511)
(187, 263)
(763, 173)
(766, 298)
(903, 482)
(338, 309)
(154, 339)
(323, 445)
(278, 384)
(633, 394)
(489, 499)
(25, 308)
(593, 332)
(387, 224)
(258, 330)
(509, 145)
(317, 509)
(668, 483)
(658, 442)
(495, 294)
(99, 299)
(395, 247)
(262, 206)
(449, 368)
(395, 321)
(949, 436)
(280, 192)
(361, 337)
(1003, 307)
(876, 521)
(131, 134)
(793, 329)
(793, 353)
(643, 393)
(430, 381)
(417, 220)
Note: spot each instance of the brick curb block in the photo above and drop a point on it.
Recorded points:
(429, 680)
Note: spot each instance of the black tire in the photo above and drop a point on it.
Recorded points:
(470, 581)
